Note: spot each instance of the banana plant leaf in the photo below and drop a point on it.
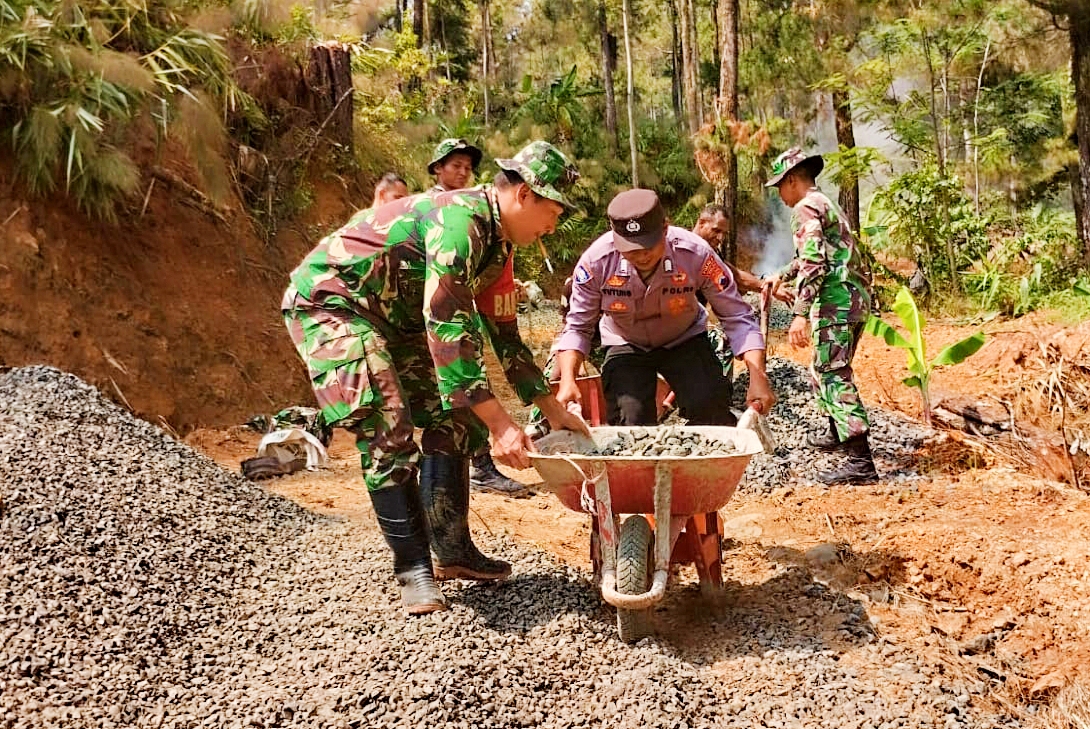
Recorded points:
(959, 351)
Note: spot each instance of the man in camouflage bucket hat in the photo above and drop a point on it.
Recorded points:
(545, 169)
(833, 297)
(382, 312)
(538, 159)
(453, 163)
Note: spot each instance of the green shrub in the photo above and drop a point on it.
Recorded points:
(83, 73)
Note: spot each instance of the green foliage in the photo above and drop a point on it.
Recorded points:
(1023, 268)
(86, 72)
(300, 28)
(928, 212)
(559, 104)
(919, 367)
(398, 84)
(671, 170)
(451, 31)
(856, 163)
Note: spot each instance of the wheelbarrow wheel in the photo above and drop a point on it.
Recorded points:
(634, 572)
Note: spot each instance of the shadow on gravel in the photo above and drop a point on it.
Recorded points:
(526, 601)
(789, 612)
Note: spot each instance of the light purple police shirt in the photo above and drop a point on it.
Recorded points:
(664, 312)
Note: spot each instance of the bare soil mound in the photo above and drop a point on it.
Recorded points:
(172, 312)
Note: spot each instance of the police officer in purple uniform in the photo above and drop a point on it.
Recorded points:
(639, 284)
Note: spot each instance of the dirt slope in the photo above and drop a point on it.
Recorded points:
(172, 312)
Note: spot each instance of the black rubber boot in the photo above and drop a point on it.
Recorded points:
(444, 487)
(860, 465)
(484, 476)
(825, 441)
(401, 519)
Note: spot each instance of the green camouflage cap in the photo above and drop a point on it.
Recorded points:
(545, 169)
(448, 147)
(791, 159)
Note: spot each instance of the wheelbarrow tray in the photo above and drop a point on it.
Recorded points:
(701, 484)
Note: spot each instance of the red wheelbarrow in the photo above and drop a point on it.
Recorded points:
(673, 503)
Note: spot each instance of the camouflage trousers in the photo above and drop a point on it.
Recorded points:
(721, 347)
(831, 377)
(379, 384)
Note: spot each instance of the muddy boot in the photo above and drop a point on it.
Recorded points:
(401, 519)
(484, 476)
(825, 441)
(860, 465)
(444, 487)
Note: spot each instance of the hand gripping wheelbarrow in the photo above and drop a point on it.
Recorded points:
(673, 503)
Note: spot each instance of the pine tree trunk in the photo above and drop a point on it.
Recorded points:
(845, 138)
(607, 74)
(728, 113)
(715, 24)
(486, 56)
(329, 79)
(632, 133)
(692, 103)
(1079, 21)
(675, 71)
(418, 22)
(694, 64)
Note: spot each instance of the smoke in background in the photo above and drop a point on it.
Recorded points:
(772, 241)
(369, 15)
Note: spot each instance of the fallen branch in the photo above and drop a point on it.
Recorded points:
(193, 196)
(17, 210)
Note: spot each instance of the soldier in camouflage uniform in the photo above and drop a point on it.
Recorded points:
(833, 297)
(382, 312)
(390, 187)
(453, 164)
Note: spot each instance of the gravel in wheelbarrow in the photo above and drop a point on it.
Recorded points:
(657, 442)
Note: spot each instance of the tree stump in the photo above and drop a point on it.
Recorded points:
(329, 79)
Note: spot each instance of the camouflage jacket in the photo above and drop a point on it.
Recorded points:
(832, 281)
(413, 267)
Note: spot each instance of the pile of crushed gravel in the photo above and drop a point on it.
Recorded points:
(118, 546)
(140, 585)
(895, 440)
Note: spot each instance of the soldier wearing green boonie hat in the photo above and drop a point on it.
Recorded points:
(833, 298)
(383, 314)
(538, 162)
(453, 164)
(454, 161)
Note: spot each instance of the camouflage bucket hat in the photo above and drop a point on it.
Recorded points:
(545, 169)
(448, 147)
(791, 159)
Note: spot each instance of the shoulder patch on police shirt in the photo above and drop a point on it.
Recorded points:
(581, 275)
(712, 271)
